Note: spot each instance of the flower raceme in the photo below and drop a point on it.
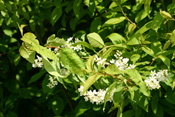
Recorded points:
(53, 82)
(95, 96)
(37, 62)
(119, 61)
(152, 82)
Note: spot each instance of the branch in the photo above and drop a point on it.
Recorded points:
(127, 17)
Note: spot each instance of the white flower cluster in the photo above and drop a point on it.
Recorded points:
(120, 62)
(37, 62)
(70, 43)
(53, 82)
(100, 61)
(152, 82)
(95, 96)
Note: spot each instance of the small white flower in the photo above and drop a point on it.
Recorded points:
(112, 61)
(53, 82)
(125, 60)
(77, 40)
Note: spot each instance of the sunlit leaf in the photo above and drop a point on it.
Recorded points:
(147, 6)
(72, 61)
(141, 15)
(26, 53)
(148, 50)
(52, 68)
(157, 21)
(95, 40)
(89, 63)
(165, 60)
(116, 38)
(90, 81)
(166, 15)
(29, 38)
(112, 70)
(135, 57)
(114, 21)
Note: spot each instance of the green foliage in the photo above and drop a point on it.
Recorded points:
(40, 31)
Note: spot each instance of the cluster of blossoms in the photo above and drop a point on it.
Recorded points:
(95, 96)
(53, 82)
(100, 61)
(120, 62)
(37, 62)
(70, 43)
(152, 82)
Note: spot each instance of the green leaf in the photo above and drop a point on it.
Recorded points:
(92, 6)
(147, 4)
(30, 38)
(137, 78)
(172, 38)
(135, 57)
(8, 32)
(108, 52)
(114, 21)
(32, 24)
(91, 80)
(52, 68)
(45, 88)
(57, 105)
(154, 102)
(85, 44)
(26, 53)
(131, 29)
(95, 25)
(160, 110)
(156, 47)
(148, 50)
(76, 7)
(157, 21)
(112, 70)
(95, 40)
(36, 77)
(166, 15)
(141, 15)
(72, 61)
(2, 6)
(21, 28)
(56, 14)
(34, 45)
(116, 38)
(141, 100)
(90, 63)
(73, 22)
(166, 45)
(81, 107)
(135, 39)
(142, 63)
(55, 41)
(132, 91)
(117, 100)
(166, 60)
(108, 93)
(129, 113)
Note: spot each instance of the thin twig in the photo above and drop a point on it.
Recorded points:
(163, 6)
(127, 17)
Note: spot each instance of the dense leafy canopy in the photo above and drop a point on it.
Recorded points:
(50, 48)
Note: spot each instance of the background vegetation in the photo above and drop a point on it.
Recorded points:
(143, 27)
